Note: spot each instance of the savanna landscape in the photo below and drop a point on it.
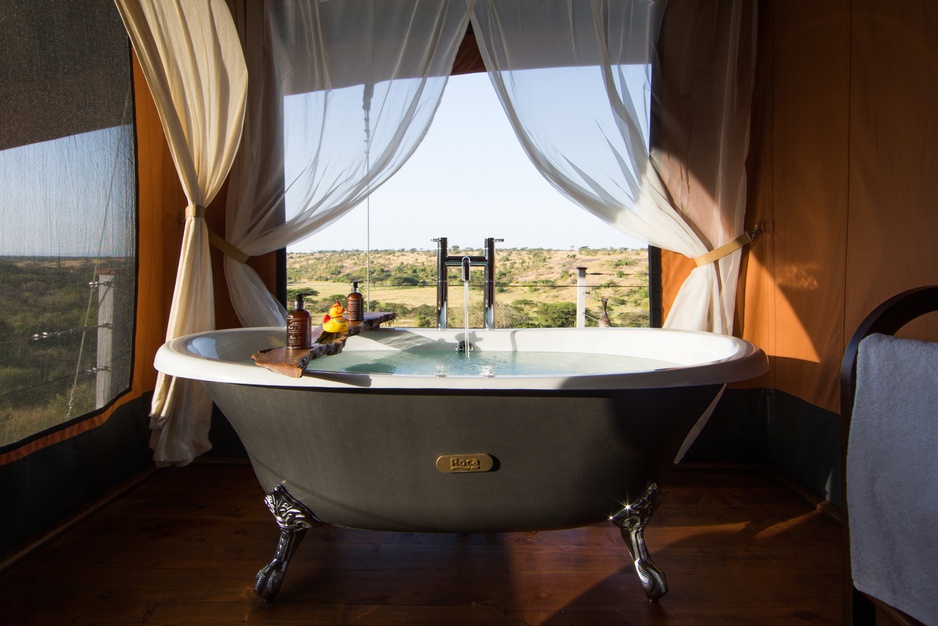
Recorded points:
(534, 287)
(49, 327)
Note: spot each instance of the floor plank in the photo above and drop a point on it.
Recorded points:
(184, 546)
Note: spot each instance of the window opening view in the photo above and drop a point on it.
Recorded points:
(67, 204)
(469, 181)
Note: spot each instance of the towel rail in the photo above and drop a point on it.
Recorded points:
(887, 319)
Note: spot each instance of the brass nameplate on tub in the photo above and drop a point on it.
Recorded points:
(462, 463)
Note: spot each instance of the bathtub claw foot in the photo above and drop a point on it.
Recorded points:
(294, 520)
(631, 522)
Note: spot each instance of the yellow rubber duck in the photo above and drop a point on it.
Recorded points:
(334, 321)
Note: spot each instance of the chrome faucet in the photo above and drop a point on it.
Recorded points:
(444, 261)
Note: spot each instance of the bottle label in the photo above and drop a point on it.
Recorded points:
(353, 310)
(298, 333)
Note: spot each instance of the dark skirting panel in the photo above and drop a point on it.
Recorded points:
(48, 486)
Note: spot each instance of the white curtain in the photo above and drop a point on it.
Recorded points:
(341, 95)
(575, 79)
(192, 59)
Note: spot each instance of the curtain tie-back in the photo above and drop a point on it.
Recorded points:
(197, 210)
(728, 248)
(227, 248)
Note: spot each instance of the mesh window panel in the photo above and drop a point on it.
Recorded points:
(67, 213)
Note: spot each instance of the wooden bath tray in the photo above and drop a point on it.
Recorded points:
(292, 362)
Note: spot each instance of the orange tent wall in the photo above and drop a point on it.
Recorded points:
(161, 206)
(842, 167)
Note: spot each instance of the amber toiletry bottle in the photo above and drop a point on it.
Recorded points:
(354, 305)
(298, 325)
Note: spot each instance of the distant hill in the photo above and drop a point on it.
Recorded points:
(534, 286)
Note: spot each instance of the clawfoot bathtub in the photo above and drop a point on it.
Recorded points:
(361, 441)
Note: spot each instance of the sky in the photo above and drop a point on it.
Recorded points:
(72, 196)
(485, 188)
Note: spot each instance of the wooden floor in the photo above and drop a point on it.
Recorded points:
(183, 548)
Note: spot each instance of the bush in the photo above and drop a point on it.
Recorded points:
(556, 315)
(424, 316)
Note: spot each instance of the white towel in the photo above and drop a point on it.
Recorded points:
(892, 474)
